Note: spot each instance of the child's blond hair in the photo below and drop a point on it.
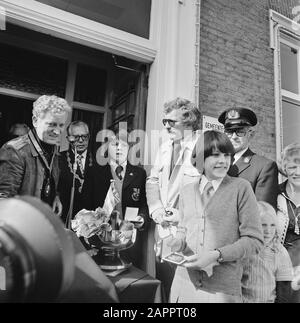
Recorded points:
(266, 208)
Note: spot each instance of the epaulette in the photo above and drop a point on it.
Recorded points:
(19, 142)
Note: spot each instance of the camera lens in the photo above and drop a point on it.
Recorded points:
(17, 264)
(36, 252)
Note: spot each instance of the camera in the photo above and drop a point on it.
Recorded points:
(36, 253)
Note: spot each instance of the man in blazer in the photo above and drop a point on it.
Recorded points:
(173, 161)
(262, 173)
(74, 166)
(130, 183)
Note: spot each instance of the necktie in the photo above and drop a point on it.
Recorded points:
(119, 170)
(80, 164)
(175, 154)
(207, 193)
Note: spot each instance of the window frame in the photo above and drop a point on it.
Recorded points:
(287, 31)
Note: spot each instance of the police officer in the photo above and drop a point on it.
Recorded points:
(262, 173)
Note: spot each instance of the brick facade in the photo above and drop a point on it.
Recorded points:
(236, 62)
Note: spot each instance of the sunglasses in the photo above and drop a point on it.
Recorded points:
(78, 137)
(169, 121)
(238, 132)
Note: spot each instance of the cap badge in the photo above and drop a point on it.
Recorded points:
(233, 114)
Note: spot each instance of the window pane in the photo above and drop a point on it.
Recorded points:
(132, 16)
(32, 72)
(289, 68)
(290, 123)
(90, 86)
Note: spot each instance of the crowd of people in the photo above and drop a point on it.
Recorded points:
(209, 199)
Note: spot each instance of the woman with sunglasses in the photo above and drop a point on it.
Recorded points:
(262, 173)
(289, 207)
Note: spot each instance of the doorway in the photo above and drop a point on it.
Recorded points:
(102, 88)
(13, 110)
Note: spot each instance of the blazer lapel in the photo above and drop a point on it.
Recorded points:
(245, 161)
(88, 161)
(130, 174)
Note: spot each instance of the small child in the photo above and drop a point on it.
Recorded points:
(267, 276)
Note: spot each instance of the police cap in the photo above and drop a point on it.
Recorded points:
(237, 118)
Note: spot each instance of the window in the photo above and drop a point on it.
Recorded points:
(132, 16)
(32, 72)
(90, 85)
(285, 42)
(290, 91)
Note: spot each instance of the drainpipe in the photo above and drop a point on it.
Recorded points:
(197, 53)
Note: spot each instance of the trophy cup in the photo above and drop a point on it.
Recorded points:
(107, 233)
(118, 235)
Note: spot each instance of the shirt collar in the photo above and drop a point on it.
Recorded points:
(238, 155)
(215, 183)
(114, 165)
(83, 154)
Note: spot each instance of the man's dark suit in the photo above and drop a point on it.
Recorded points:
(66, 161)
(133, 195)
(262, 173)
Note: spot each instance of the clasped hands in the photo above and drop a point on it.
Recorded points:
(205, 260)
(165, 217)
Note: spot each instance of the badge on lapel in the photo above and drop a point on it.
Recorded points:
(247, 160)
(136, 194)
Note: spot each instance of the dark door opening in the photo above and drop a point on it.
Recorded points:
(13, 110)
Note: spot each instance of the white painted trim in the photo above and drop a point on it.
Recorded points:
(65, 25)
(172, 73)
(280, 25)
(275, 44)
(291, 95)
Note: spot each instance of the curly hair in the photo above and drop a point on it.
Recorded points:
(190, 113)
(288, 152)
(50, 103)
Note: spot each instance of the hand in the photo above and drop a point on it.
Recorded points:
(202, 260)
(139, 222)
(171, 215)
(158, 214)
(295, 284)
(57, 206)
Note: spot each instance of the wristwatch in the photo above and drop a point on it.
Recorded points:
(220, 259)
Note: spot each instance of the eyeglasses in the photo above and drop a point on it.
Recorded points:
(169, 121)
(238, 132)
(78, 137)
(292, 169)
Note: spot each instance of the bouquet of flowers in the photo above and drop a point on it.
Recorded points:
(108, 227)
(87, 223)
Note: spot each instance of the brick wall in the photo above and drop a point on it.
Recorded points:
(236, 62)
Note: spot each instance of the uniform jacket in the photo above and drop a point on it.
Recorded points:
(21, 168)
(66, 161)
(133, 195)
(133, 189)
(231, 224)
(262, 173)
